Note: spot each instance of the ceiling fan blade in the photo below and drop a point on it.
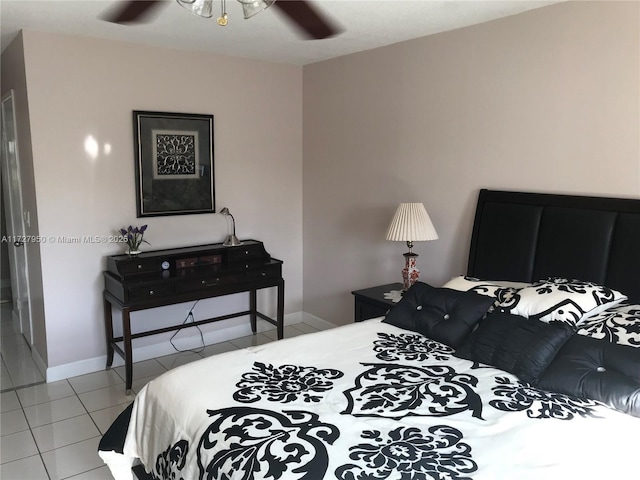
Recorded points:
(132, 11)
(306, 17)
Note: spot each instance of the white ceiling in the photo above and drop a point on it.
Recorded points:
(267, 36)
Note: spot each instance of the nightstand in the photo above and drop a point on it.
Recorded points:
(371, 302)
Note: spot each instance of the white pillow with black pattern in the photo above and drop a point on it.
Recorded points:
(562, 300)
(505, 292)
(619, 324)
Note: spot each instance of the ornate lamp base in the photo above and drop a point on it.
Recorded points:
(410, 272)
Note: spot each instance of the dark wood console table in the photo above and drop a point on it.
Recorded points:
(165, 277)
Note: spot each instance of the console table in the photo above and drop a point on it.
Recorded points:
(165, 277)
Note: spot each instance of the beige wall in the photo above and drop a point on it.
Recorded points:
(547, 100)
(80, 87)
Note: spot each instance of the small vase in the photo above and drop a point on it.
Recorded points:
(134, 251)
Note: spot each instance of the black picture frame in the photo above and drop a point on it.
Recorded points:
(174, 163)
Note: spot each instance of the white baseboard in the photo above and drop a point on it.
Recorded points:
(147, 352)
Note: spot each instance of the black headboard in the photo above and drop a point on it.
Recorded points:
(530, 236)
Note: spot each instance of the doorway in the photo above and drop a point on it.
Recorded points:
(18, 367)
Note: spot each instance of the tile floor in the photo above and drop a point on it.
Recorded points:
(17, 368)
(51, 431)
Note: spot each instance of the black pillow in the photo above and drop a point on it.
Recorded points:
(445, 315)
(596, 369)
(515, 344)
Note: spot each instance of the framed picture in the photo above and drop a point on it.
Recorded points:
(174, 163)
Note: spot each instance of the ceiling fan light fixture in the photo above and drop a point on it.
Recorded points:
(251, 7)
(202, 8)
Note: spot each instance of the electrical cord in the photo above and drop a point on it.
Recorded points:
(185, 324)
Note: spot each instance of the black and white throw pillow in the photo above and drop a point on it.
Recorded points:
(504, 292)
(561, 300)
(619, 324)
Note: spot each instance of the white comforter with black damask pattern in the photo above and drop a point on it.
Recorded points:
(367, 401)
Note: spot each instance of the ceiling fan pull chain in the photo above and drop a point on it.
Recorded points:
(222, 19)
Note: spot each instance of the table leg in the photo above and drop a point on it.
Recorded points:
(280, 314)
(253, 307)
(108, 326)
(128, 354)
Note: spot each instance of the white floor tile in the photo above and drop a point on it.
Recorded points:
(9, 401)
(319, 324)
(14, 345)
(177, 359)
(73, 459)
(138, 383)
(272, 334)
(290, 331)
(45, 392)
(14, 355)
(65, 432)
(216, 348)
(105, 417)
(101, 473)
(12, 421)
(5, 379)
(95, 381)
(16, 446)
(30, 468)
(251, 340)
(25, 372)
(45, 413)
(105, 397)
(143, 369)
(303, 327)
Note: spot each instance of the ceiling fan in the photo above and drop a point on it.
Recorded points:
(310, 22)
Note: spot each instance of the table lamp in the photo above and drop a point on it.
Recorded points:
(411, 223)
(232, 240)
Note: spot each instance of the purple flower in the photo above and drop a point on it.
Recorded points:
(133, 236)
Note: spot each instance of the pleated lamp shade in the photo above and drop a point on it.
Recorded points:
(411, 223)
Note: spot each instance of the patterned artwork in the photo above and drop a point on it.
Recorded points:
(396, 391)
(174, 160)
(519, 397)
(410, 454)
(175, 154)
(391, 348)
(286, 383)
(247, 443)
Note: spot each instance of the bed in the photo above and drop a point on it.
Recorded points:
(527, 367)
